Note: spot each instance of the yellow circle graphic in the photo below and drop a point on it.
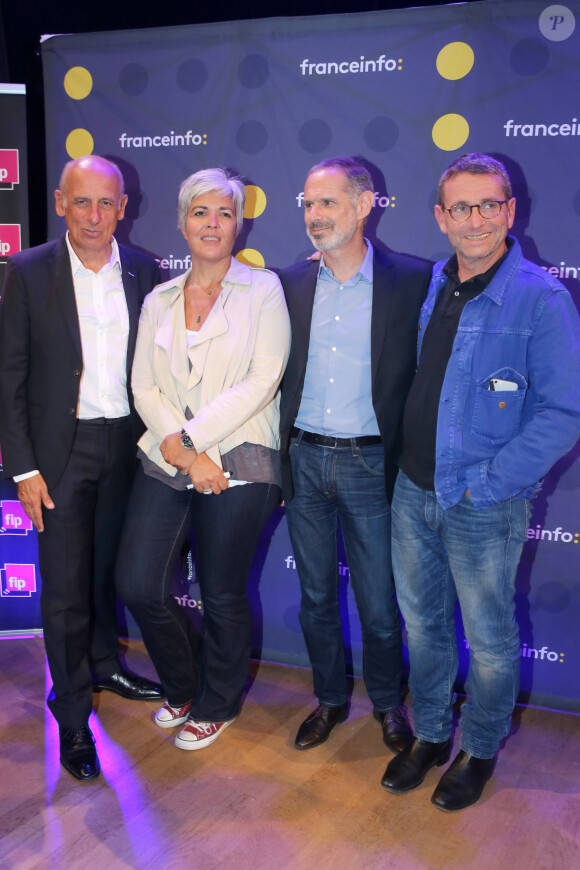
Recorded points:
(450, 132)
(455, 60)
(255, 201)
(79, 143)
(78, 83)
(251, 257)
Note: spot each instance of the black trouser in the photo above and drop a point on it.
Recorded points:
(77, 553)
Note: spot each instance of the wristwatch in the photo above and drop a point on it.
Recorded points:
(186, 440)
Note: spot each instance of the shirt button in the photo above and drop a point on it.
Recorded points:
(328, 410)
(502, 404)
(337, 317)
(333, 349)
(332, 380)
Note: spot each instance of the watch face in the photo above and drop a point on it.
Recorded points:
(186, 440)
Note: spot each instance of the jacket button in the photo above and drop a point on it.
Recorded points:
(72, 411)
(77, 373)
(502, 404)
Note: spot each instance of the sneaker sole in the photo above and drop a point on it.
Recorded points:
(172, 723)
(200, 744)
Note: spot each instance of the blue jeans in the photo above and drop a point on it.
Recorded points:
(346, 485)
(471, 556)
(226, 529)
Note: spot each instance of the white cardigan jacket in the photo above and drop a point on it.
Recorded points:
(248, 336)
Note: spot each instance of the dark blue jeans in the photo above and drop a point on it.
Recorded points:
(346, 485)
(226, 530)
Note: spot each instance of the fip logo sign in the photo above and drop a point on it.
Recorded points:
(17, 581)
(14, 519)
(10, 240)
(9, 173)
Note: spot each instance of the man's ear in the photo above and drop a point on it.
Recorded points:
(440, 218)
(364, 205)
(59, 203)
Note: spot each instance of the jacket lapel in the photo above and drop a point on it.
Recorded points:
(65, 293)
(303, 302)
(383, 277)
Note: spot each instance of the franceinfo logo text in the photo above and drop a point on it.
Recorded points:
(380, 64)
(379, 199)
(568, 128)
(169, 140)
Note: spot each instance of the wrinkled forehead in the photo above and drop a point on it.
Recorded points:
(469, 187)
(323, 182)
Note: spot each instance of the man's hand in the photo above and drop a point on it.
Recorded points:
(33, 494)
(174, 453)
(206, 474)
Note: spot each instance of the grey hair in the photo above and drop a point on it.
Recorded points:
(477, 164)
(357, 175)
(206, 180)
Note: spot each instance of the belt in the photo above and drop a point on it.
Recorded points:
(105, 421)
(331, 441)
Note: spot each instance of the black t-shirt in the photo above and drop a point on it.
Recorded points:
(422, 407)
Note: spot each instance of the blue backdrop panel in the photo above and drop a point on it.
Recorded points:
(409, 90)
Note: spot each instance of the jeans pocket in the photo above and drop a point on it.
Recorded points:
(372, 459)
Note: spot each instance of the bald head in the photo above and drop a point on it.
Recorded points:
(90, 162)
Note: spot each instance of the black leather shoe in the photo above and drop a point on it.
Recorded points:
(78, 754)
(407, 770)
(462, 783)
(130, 686)
(316, 728)
(397, 733)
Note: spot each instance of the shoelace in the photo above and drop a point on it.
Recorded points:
(202, 727)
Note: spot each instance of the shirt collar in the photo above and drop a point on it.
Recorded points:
(364, 272)
(451, 269)
(78, 268)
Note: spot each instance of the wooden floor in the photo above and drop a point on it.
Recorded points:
(252, 802)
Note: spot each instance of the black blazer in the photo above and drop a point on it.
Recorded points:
(400, 286)
(41, 357)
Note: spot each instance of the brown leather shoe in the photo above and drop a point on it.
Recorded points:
(316, 728)
(407, 769)
(397, 733)
(462, 783)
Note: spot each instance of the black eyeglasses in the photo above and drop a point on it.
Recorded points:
(488, 209)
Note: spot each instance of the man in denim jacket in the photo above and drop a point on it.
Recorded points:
(494, 404)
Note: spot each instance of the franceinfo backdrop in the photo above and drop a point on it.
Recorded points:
(409, 90)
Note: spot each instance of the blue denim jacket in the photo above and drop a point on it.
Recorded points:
(523, 328)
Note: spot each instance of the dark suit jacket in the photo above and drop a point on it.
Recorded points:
(41, 357)
(400, 285)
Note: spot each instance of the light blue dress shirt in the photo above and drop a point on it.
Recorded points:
(336, 397)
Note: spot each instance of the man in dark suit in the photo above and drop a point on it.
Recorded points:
(68, 325)
(354, 334)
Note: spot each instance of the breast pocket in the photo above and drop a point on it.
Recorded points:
(497, 412)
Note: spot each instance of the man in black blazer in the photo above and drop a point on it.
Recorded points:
(68, 429)
(354, 336)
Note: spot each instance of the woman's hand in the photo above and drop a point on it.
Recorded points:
(174, 453)
(206, 475)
